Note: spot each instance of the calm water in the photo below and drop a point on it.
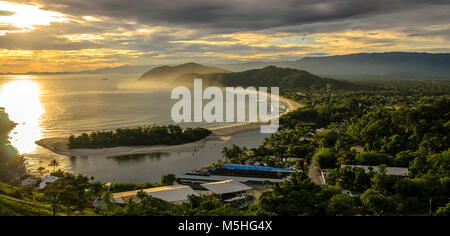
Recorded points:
(57, 106)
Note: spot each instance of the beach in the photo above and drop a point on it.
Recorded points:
(58, 144)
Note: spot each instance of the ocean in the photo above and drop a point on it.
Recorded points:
(48, 106)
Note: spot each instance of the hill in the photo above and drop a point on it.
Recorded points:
(270, 76)
(390, 64)
(168, 74)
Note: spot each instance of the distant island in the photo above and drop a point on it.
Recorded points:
(140, 136)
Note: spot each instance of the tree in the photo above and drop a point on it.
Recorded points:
(372, 159)
(234, 153)
(54, 163)
(52, 194)
(325, 158)
(297, 196)
(168, 179)
(68, 198)
(443, 211)
(341, 205)
(377, 204)
(41, 170)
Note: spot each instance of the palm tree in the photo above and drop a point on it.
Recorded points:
(54, 163)
(41, 170)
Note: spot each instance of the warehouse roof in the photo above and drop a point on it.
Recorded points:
(227, 186)
(395, 171)
(174, 194)
(216, 178)
(257, 168)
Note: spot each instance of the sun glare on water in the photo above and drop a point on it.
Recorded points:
(21, 100)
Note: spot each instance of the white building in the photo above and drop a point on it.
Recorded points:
(46, 180)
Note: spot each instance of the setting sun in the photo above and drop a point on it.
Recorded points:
(26, 17)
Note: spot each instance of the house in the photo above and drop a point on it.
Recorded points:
(195, 180)
(394, 171)
(302, 141)
(175, 194)
(29, 181)
(46, 181)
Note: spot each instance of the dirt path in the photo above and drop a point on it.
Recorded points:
(314, 175)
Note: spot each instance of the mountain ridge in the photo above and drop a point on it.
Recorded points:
(270, 76)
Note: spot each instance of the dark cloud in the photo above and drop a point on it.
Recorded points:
(195, 29)
(233, 15)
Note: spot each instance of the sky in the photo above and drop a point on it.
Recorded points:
(76, 35)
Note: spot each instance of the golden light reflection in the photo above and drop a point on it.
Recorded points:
(20, 98)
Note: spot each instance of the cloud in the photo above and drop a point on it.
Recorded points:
(220, 31)
(232, 15)
(6, 13)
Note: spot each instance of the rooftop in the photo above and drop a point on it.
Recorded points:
(216, 178)
(227, 186)
(174, 194)
(395, 171)
(257, 168)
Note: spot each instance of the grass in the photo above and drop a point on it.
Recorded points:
(28, 202)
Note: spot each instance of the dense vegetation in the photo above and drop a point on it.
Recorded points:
(379, 127)
(141, 136)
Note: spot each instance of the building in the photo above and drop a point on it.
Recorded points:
(252, 171)
(226, 187)
(175, 194)
(394, 171)
(195, 180)
(29, 181)
(46, 181)
(227, 190)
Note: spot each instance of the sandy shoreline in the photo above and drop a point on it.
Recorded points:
(58, 145)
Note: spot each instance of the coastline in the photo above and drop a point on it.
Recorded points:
(58, 145)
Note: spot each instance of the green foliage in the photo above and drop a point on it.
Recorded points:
(373, 159)
(206, 206)
(295, 197)
(141, 136)
(146, 206)
(325, 158)
(272, 76)
(350, 178)
(341, 205)
(377, 204)
(168, 179)
(125, 187)
(443, 211)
